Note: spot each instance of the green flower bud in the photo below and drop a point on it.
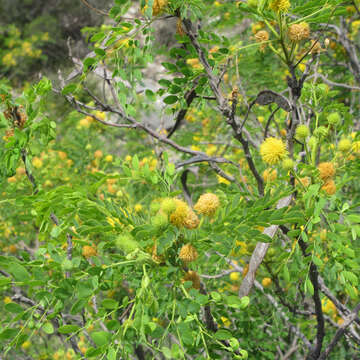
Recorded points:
(320, 132)
(334, 119)
(154, 207)
(126, 243)
(288, 164)
(302, 132)
(344, 145)
(160, 220)
(168, 205)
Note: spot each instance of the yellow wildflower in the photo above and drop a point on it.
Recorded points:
(273, 150)
(207, 204)
(188, 253)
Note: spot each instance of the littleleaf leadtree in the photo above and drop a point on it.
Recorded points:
(226, 227)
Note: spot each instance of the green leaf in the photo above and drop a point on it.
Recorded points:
(110, 304)
(111, 354)
(223, 334)
(67, 329)
(309, 288)
(19, 272)
(48, 328)
(234, 302)
(166, 352)
(14, 308)
(101, 338)
(171, 99)
(69, 89)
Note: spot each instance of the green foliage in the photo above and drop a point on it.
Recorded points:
(101, 257)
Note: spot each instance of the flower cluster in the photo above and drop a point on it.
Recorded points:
(327, 172)
(184, 216)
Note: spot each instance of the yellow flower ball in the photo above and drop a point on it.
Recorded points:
(207, 204)
(179, 216)
(298, 32)
(327, 170)
(266, 282)
(329, 187)
(234, 276)
(109, 158)
(98, 154)
(37, 162)
(273, 150)
(88, 251)
(344, 145)
(188, 253)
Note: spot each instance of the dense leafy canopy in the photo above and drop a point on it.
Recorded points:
(186, 185)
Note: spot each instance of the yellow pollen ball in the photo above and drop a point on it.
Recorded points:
(327, 170)
(88, 251)
(188, 253)
(273, 150)
(329, 187)
(266, 282)
(207, 204)
(298, 32)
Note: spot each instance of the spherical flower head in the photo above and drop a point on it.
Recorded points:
(334, 119)
(193, 277)
(192, 221)
(266, 282)
(98, 154)
(273, 150)
(168, 205)
(188, 253)
(269, 175)
(320, 132)
(262, 36)
(179, 216)
(207, 204)
(235, 276)
(302, 132)
(126, 243)
(329, 187)
(327, 170)
(88, 251)
(109, 158)
(288, 164)
(280, 5)
(298, 32)
(344, 145)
